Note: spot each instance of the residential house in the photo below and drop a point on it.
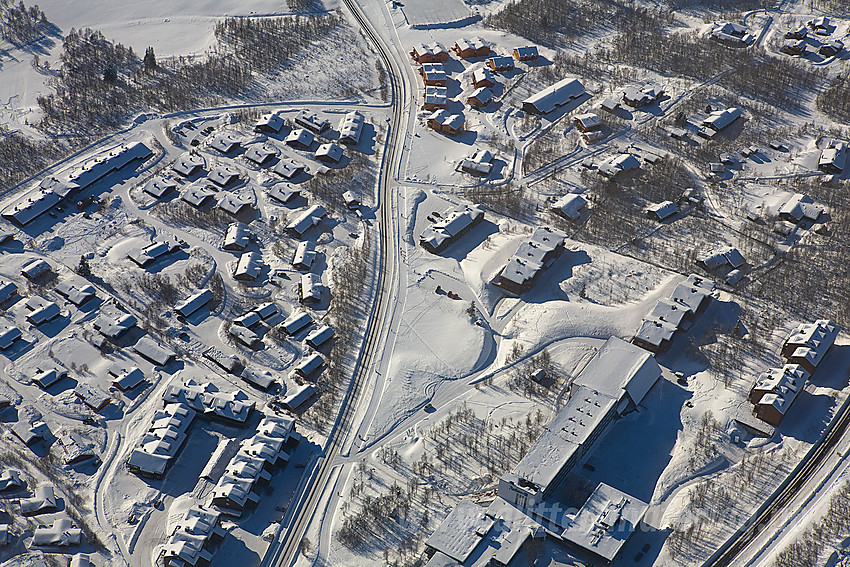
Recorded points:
(452, 226)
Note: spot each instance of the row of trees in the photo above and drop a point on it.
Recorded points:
(349, 275)
(100, 83)
(559, 23)
(835, 99)
(810, 547)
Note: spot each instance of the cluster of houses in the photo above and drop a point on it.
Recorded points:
(669, 315)
(434, 76)
(161, 442)
(450, 226)
(798, 40)
(62, 532)
(53, 191)
(532, 257)
(723, 257)
(193, 538)
(614, 382)
(252, 466)
(776, 389)
(245, 327)
(168, 429)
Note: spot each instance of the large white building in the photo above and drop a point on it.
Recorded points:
(616, 380)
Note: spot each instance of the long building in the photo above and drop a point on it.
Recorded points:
(616, 380)
(53, 190)
(552, 97)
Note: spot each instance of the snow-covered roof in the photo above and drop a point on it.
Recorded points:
(433, 73)
(143, 257)
(112, 322)
(350, 128)
(606, 521)
(436, 96)
(300, 137)
(92, 396)
(309, 364)
(283, 192)
(126, 379)
(461, 531)
(34, 269)
(159, 186)
(482, 95)
(801, 207)
(669, 311)
(655, 332)
(296, 321)
(261, 379)
(308, 218)
(554, 96)
(299, 395)
(573, 427)
(526, 52)
(640, 95)
(61, 533)
(532, 256)
(260, 153)
(223, 175)
(445, 119)
(619, 163)
(433, 49)
(225, 142)
(317, 337)
(152, 351)
(811, 341)
(8, 335)
(249, 266)
(43, 500)
(305, 253)
(41, 310)
(288, 168)
(720, 119)
(272, 121)
(53, 190)
(717, 257)
(194, 302)
(237, 237)
(188, 163)
(245, 335)
(330, 152)
(663, 210)
(453, 224)
(311, 287)
(474, 44)
(483, 76)
(312, 122)
(11, 478)
(570, 205)
(198, 194)
(588, 120)
(7, 290)
(620, 367)
(501, 63)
